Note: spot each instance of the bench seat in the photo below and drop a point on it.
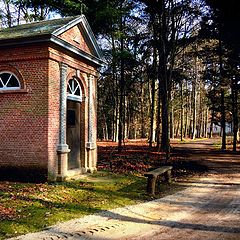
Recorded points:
(153, 175)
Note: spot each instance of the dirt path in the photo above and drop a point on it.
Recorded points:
(209, 208)
(206, 153)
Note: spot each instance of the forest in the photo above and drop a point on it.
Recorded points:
(172, 66)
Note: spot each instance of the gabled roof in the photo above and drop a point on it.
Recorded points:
(49, 31)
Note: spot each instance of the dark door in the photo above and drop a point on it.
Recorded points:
(73, 133)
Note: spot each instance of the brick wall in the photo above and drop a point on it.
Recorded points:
(53, 117)
(29, 119)
(75, 37)
(23, 116)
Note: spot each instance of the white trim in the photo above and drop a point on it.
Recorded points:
(5, 87)
(73, 88)
(91, 37)
(67, 26)
(87, 33)
(74, 98)
(77, 51)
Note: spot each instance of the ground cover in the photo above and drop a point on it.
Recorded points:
(30, 207)
(138, 157)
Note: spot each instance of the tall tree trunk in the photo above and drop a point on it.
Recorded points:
(158, 118)
(211, 124)
(223, 113)
(194, 122)
(235, 112)
(164, 75)
(206, 123)
(165, 141)
(124, 116)
(172, 120)
(159, 104)
(153, 85)
(151, 137)
(200, 111)
(181, 127)
(190, 102)
(177, 127)
(106, 128)
(142, 112)
(115, 118)
(116, 124)
(187, 110)
(122, 89)
(223, 120)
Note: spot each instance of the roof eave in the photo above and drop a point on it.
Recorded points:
(86, 30)
(77, 51)
(24, 40)
(51, 38)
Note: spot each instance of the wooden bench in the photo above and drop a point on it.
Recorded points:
(153, 175)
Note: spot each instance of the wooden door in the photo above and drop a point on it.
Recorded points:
(73, 134)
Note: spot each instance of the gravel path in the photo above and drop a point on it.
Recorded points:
(209, 208)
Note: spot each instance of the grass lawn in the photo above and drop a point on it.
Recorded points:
(28, 207)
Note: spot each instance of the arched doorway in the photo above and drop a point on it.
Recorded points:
(74, 101)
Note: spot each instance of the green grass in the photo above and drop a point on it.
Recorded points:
(32, 207)
(217, 144)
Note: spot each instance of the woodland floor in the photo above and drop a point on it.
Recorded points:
(187, 157)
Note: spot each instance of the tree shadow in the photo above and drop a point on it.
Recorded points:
(172, 224)
(103, 227)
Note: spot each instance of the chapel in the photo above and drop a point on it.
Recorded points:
(48, 82)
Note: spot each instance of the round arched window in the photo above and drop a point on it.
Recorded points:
(74, 90)
(8, 81)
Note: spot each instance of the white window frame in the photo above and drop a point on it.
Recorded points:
(73, 89)
(5, 87)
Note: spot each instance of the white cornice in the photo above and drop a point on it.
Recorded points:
(76, 50)
(86, 30)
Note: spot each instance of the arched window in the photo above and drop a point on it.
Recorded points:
(74, 90)
(8, 81)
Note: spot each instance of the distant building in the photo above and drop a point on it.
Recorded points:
(217, 128)
(48, 74)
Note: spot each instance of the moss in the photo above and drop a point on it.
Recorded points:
(33, 29)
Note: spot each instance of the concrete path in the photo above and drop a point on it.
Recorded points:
(209, 208)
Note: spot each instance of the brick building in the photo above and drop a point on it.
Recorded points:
(48, 74)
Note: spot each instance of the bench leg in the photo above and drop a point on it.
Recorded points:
(168, 176)
(151, 184)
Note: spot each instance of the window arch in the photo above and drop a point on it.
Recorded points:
(9, 81)
(74, 91)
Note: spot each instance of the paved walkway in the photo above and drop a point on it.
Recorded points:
(208, 209)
